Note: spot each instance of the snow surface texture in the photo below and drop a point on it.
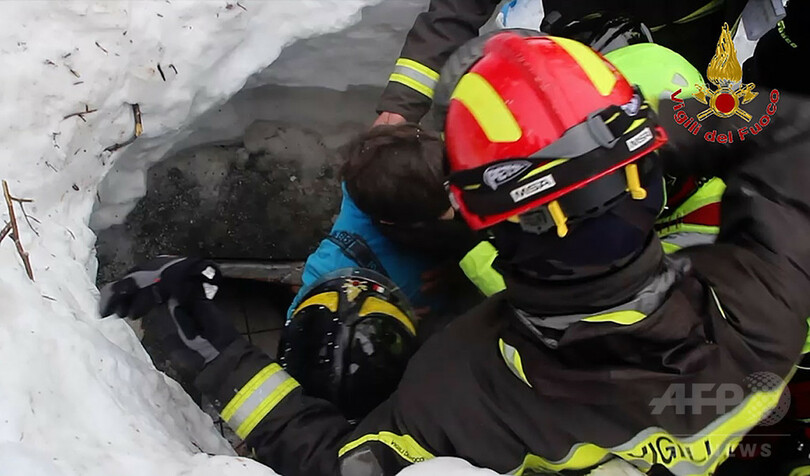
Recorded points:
(78, 395)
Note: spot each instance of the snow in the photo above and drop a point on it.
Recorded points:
(355, 60)
(78, 395)
(360, 55)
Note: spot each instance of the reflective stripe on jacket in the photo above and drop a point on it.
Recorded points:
(689, 27)
(477, 266)
(696, 221)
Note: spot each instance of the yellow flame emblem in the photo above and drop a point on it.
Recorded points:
(353, 289)
(725, 73)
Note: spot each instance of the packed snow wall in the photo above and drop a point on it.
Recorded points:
(256, 177)
(78, 395)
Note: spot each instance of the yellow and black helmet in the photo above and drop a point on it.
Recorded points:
(350, 339)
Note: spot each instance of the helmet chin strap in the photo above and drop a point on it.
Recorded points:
(592, 200)
(603, 239)
(538, 259)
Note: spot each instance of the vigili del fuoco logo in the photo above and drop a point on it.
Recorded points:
(725, 96)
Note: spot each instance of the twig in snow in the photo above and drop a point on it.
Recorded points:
(136, 111)
(81, 114)
(102, 48)
(160, 70)
(74, 73)
(172, 67)
(16, 232)
(241, 6)
(49, 298)
(5, 231)
(27, 218)
(49, 62)
(51, 166)
(22, 202)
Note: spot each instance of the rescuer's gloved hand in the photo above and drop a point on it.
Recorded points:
(154, 282)
(187, 285)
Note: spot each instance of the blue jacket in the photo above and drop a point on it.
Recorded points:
(404, 268)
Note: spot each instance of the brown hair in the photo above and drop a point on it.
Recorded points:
(396, 173)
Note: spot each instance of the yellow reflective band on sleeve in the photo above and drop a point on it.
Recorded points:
(488, 108)
(411, 83)
(244, 429)
(405, 446)
(699, 454)
(512, 358)
(416, 76)
(708, 193)
(594, 66)
(257, 398)
(580, 457)
(377, 305)
(477, 266)
(329, 300)
(624, 318)
(247, 390)
(418, 67)
(704, 229)
(679, 239)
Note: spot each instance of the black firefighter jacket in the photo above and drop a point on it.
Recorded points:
(690, 27)
(666, 363)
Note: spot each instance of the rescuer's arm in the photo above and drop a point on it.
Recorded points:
(760, 266)
(434, 36)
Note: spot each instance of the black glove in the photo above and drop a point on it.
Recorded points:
(187, 285)
(154, 282)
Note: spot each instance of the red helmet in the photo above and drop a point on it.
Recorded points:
(536, 118)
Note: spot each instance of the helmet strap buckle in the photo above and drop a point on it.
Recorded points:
(537, 221)
(543, 219)
(600, 132)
